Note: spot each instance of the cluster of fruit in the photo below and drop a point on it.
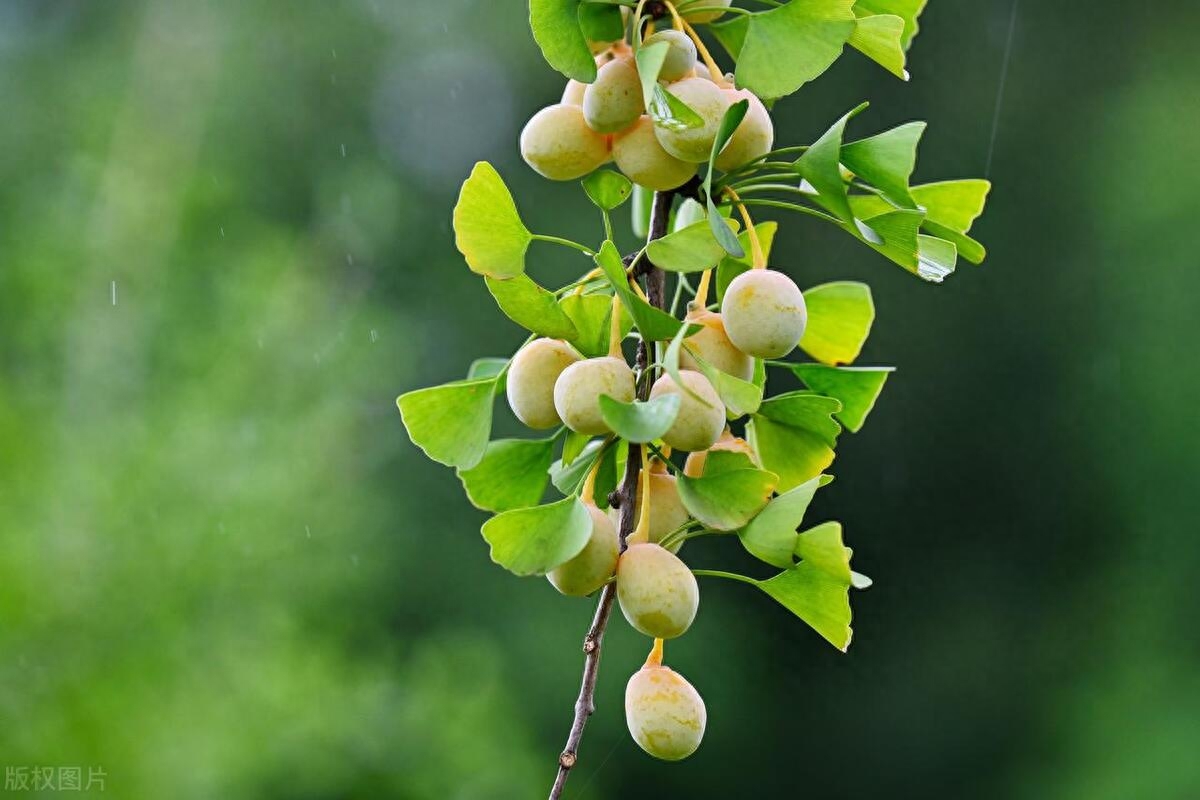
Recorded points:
(550, 384)
(607, 121)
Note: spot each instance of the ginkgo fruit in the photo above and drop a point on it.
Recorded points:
(613, 101)
(577, 392)
(712, 344)
(665, 714)
(559, 145)
(658, 594)
(667, 512)
(531, 378)
(728, 443)
(681, 54)
(573, 93)
(709, 13)
(642, 158)
(752, 139)
(710, 103)
(764, 313)
(701, 413)
(595, 564)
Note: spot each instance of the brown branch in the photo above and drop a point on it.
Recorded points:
(626, 501)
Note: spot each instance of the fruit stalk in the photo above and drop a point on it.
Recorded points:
(625, 499)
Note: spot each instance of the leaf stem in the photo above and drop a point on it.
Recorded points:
(542, 237)
(716, 573)
(794, 207)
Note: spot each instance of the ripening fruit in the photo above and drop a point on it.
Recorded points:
(531, 378)
(701, 412)
(764, 313)
(560, 146)
(577, 392)
(644, 161)
(657, 592)
(665, 713)
(696, 17)
(573, 93)
(614, 101)
(712, 344)
(595, 564)
(681, 54)
(694, 466)
(667, 512)
(709, 102)
(752, 139)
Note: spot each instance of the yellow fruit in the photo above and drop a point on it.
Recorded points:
(681, 54)
(577, 392)
(573, 93)
(712, 344)
(694, 466)
(644, 161)
(701, 412)
(667, 512)
(657, 592)
(595, 564)
(665, 713)
(764, 313)
(560, 146)
(531, 378)
(614, 101)
(700, 17)
(753, 138)
(709, 102)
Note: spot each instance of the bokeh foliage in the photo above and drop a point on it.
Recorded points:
(225, 573)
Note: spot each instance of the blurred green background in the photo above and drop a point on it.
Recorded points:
(226, 573)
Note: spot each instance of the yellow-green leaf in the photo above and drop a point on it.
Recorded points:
(488, 231)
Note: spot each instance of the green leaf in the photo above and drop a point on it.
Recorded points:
(953, 204)
(936, 258)
(880, 38)
(728, 500)
(592, 314)
(640, 422)
(531, 307)
(665, 109)
(489, 368)
(729, 124)
(451, 422)
(815, 597)
(886, 160)
(794, 454)
(654, 324)
(533, 541)
(771, 536)
(732, 34)
(839, 320)
(730, 266)
(601, 22)
(607, 189)
(893, 235)
(568, 476)
(574, 444)
(908, 10)
(857, 388)
(556, 29)
(820, 165)
(805, 410)
(692, 249)
(609, 472)
(788, 46)
(740, 397)
(718, 461)
(822, 548)
(487, 228)
(512, 474)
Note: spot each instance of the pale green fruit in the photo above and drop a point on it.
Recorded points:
(577, 392)
(560, 146)
(573, 93)
(710, 103)
(689, 213)
(754, 137)
(764, 313)
(595, 564)
(681, 54)
(614, 101)
(712, 344)
(657, 592)
(667, 512)
(694, 466)
(644, 161)
(665, 713)
(531, 378)
(701, 412)
(699, 17)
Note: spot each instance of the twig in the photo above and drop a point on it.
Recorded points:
(626, 498)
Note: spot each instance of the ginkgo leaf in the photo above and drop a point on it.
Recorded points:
(557, 31)
(789, 45)
(533, 541)
(840, 316)
(815, 597)
(488, 231)
(880, 38)
(532, 307)
(728, 500)
(771, 536)
(907, 10)
(512, 474)
(856, 387)
(451, 422)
